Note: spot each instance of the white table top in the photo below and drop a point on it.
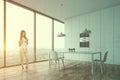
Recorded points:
(81, 52)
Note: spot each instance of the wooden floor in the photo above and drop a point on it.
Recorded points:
(74, 70)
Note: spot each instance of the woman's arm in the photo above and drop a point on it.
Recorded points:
(20, 43)
(27, 41)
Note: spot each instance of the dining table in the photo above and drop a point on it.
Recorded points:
(91, 53)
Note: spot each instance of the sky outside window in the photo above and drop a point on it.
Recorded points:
(18, 19)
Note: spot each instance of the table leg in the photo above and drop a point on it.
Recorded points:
(92, 67)
(100, 56)
(101, 64)
(92, 64)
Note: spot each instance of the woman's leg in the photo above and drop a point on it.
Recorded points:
(26, 57)
(21, 57)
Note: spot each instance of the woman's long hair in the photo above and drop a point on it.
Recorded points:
(21, 36)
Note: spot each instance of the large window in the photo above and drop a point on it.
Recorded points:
(43, 37)
(58, 41)
(1, 33)
(18, 19)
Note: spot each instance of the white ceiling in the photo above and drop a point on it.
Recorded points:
(63, 9)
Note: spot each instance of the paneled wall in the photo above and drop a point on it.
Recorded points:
(105, 36)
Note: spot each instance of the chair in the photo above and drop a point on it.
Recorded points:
(102, 61)
(54, 57)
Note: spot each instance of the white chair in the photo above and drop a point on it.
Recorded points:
(55, 57)
(101, 62)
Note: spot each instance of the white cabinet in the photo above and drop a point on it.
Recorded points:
(117, 35)
(107, 22)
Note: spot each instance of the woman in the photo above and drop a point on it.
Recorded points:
(23, 44)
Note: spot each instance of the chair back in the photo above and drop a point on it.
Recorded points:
(105, 56)
(53, 55)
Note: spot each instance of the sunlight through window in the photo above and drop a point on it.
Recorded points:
(18, 19)
(43, 36)
(1, 33)
(58, 41)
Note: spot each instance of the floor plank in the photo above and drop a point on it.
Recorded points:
(74, 70)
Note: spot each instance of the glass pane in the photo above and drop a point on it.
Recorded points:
(43, 37)
(18, 19)
(58, 41)
(1, 33)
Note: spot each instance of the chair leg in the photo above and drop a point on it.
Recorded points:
(63, 63)
(55, 63)
(101, 66)
(49, 63)
(95, 64)
(59, 64)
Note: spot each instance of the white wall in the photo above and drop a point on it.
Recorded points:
(105, 36)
